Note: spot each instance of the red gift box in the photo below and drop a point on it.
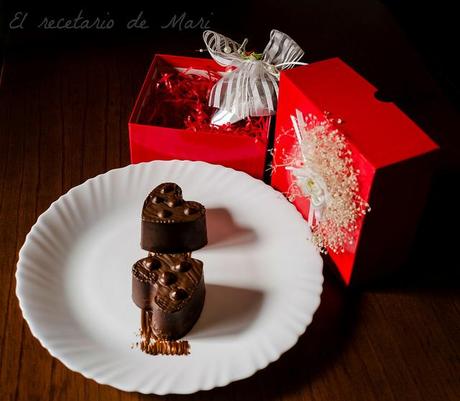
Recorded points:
(151, 142)
(395, 159)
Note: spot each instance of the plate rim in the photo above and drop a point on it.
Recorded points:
(27, 315)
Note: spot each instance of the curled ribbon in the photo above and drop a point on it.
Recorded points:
(251, 88)
(310, 181)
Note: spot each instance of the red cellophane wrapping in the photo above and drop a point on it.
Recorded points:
(171, 119)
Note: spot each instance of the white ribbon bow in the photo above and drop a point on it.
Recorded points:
(251, 89)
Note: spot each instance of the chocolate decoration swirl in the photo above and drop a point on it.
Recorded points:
(170, 224)
(163, 347)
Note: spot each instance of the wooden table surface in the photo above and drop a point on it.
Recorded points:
(63, 119)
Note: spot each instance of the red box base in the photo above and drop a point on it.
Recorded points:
(149, 142)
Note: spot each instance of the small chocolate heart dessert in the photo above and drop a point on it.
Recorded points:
(170, 224)
(170, 290)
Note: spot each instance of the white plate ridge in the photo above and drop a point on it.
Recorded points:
(263, 278)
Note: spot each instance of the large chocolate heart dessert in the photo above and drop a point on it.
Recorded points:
(170, 290)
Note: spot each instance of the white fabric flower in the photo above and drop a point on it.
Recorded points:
(312, 186)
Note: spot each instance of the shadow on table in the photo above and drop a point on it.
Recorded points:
(227, 310)
(223, 231)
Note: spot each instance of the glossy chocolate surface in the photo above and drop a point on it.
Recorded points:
(171, 224)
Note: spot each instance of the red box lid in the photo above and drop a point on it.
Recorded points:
(330, 84)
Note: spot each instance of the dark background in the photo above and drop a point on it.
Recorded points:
(62, 92)
(320, 26)
(323, 28)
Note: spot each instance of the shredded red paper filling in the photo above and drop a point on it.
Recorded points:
(179, 99)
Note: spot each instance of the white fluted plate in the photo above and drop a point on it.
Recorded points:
(263, 278)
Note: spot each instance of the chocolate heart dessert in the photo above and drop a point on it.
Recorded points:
(170, 224)
(170, 290)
